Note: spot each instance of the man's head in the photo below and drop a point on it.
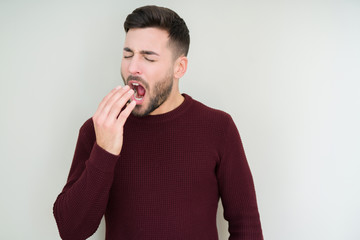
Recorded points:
(165, 19)
(155, 50)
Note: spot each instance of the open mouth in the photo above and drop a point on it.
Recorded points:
(139, 91)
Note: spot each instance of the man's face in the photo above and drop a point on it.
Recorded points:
(148, 68)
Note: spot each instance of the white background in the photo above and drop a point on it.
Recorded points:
(287, 71)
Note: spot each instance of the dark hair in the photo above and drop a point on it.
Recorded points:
(162, 18)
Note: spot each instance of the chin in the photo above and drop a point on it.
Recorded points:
(139, 111)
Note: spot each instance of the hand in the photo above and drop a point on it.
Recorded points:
(109, 120)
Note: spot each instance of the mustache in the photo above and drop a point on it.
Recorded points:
(138, 79)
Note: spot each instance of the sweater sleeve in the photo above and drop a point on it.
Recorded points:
(80, 206)
(237, 190)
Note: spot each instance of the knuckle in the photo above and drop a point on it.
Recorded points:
(107, 124)
(98, 120)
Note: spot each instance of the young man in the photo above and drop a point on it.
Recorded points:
(153, 161)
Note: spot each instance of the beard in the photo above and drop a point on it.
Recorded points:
(158, 94)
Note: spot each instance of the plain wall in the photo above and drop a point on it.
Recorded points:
(287, 71)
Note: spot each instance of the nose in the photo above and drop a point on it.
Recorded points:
(134, 66)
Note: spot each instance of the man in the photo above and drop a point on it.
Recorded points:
(153, 161)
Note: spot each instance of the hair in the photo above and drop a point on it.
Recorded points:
(165, 19)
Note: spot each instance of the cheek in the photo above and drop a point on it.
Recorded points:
(123, 67)
(123, 71)
(162, 71)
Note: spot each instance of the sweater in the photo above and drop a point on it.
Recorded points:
(166, 182)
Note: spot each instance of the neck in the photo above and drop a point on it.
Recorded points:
(173, 101)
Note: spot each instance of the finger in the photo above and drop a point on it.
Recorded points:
(119, 104)
(103, 103)
(108, 96)
(113, 99)
(126, 112)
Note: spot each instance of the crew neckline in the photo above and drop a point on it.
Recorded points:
(168, 115)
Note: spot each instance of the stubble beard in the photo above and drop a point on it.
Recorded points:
(158, 95)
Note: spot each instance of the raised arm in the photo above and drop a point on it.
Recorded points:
(82, 203)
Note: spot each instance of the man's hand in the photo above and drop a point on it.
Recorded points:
(109, 120)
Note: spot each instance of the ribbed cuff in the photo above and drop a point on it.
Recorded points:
(102, 159)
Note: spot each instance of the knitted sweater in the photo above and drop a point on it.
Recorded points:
(165, 184)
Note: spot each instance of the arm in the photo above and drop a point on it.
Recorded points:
(237, 190)
(82, 203)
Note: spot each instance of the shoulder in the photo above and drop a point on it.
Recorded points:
(215, 122)
(87, 126)
(87, 130)
(216, 126)
(209, 114)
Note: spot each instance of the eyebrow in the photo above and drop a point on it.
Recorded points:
(143, 52)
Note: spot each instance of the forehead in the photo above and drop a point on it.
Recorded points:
(154, 39)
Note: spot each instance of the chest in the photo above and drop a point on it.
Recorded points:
(169, 158)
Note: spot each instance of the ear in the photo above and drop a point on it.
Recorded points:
(180, 67)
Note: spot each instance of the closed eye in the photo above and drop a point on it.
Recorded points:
(128, 53)
(148, 59)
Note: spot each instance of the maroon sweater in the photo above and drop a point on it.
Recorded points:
(165, 184)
